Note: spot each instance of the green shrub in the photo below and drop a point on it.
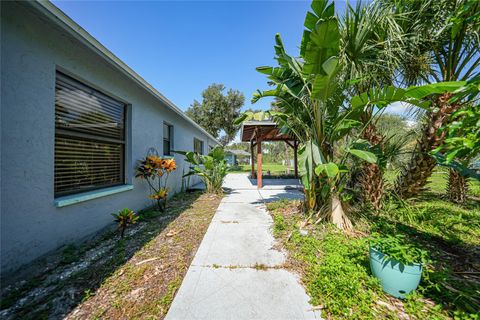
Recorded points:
(211, 168)
(125, 218)
(398, 248)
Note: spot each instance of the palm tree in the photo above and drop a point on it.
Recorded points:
(311, 104)
(442, 44)
(369, 54)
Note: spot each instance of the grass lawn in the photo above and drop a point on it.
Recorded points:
(272, 167)
(438, 181)
(112, 278)
(334, 266)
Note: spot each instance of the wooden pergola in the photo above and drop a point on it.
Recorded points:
(256, 132)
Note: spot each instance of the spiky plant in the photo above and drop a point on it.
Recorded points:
(443, 45)
(369, 54)
(311, 95)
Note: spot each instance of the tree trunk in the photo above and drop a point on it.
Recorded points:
(414, 176)
(371, 176)
(372, 184)
(457, 187)
(339, 218)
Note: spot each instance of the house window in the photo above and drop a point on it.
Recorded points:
(89, 138)
(167, 139)
(198, 146)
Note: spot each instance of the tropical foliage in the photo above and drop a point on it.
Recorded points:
(462, 142)
(211, 168)
(155, 171)
(333, 94)
(124, 218)
(310, 104)
(442, 43)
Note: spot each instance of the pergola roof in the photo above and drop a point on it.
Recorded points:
(267, 130)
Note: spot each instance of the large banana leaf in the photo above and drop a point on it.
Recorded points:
(321, 10)
(364, 155)
(413, 95)
(330, 169)
(309, 156)
(420, 92)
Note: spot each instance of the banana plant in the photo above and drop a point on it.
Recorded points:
(211, 169)
(310, 104)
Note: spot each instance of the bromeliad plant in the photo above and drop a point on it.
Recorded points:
(155, 168)
(211, 168)
(125, 218)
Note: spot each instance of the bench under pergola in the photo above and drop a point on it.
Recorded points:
(255, 132)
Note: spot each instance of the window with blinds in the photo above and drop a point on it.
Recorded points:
(167, 139)
(89, 138)
(197, 146)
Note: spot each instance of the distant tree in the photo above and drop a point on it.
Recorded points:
(217, 111)
(245, 146)
(399, 138)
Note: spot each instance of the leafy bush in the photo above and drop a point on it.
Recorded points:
(155, 168)
(396, 247)
(211, 168)
(125, 218)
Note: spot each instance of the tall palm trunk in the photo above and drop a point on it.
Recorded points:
(457, 187)
(414, 176)
(371, 176)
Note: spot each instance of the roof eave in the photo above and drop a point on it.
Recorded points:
(66, 23)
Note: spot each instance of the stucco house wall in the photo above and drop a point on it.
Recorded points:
(32, 50)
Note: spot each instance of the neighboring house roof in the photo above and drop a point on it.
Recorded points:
(238, 152)
(57, 16)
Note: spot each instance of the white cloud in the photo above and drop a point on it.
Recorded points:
(401, 109)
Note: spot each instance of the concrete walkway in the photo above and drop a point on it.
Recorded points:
(236, 274)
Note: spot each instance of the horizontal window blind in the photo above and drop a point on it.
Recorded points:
(89, 138)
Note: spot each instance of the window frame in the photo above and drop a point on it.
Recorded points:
(170, 140)
(202, 144)
(90, 137)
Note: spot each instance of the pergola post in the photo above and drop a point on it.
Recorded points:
(252, 159)
(259, 162)
(295, 157)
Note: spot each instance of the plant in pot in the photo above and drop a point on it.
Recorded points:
(397, 263)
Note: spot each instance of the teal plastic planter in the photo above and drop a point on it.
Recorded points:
(395, 277)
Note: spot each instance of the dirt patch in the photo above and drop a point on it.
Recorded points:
(113, 278)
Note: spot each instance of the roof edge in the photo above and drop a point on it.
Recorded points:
(65, 22)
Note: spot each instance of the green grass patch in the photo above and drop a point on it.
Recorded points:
(335, 266)
(272, 167)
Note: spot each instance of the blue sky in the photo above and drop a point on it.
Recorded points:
(181, 47)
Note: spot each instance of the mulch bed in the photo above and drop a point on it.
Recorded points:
(112, 278)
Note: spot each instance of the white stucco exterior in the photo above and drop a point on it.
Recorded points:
(35, 43)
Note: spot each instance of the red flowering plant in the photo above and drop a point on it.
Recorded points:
(155, 168)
